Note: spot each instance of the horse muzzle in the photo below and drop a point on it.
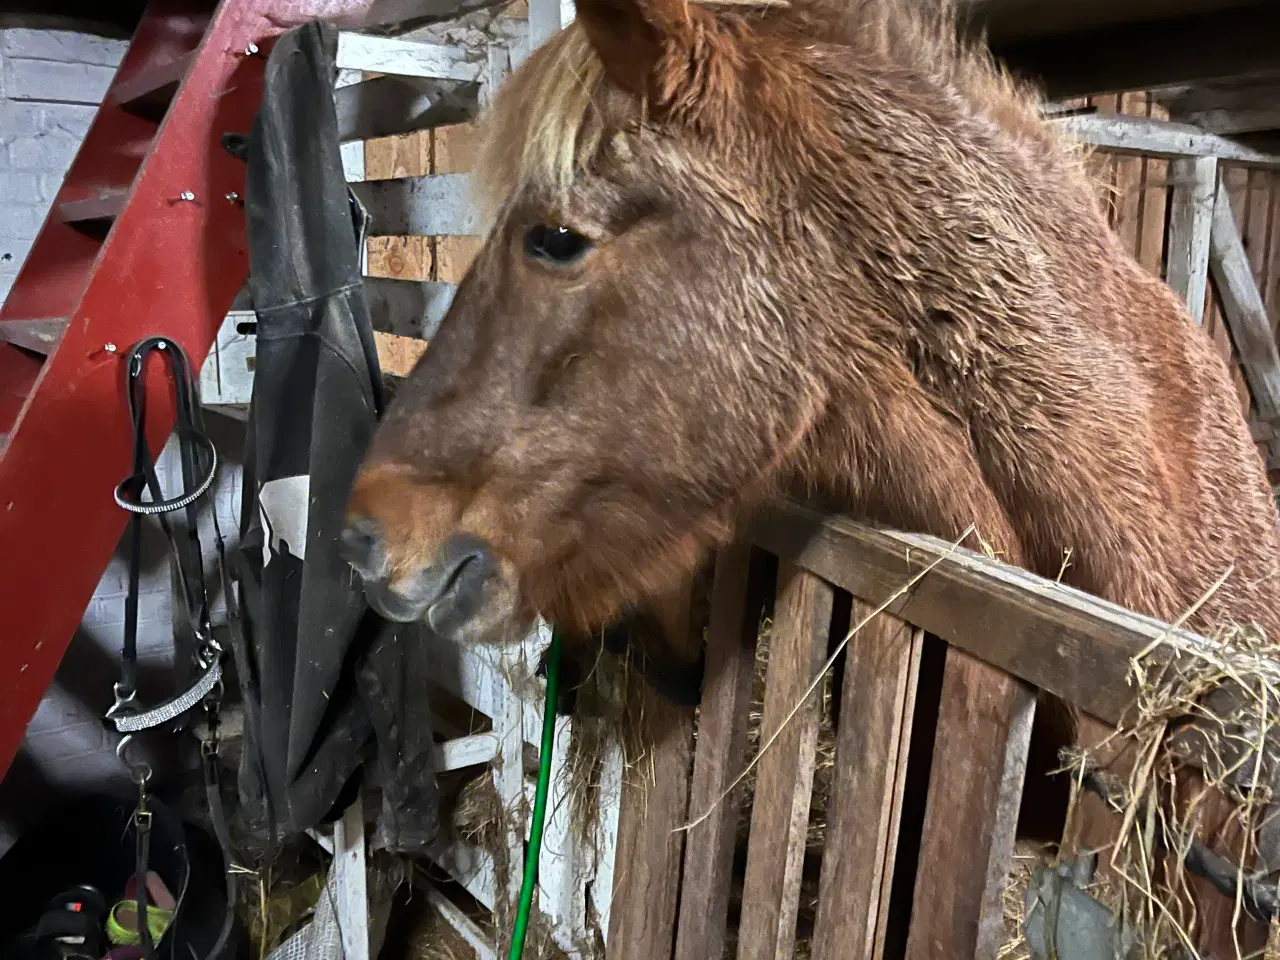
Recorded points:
(449, 594)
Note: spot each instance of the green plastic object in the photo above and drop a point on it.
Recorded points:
(523, 908)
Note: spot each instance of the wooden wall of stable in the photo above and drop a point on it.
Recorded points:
(1135, 191)
(447, 149)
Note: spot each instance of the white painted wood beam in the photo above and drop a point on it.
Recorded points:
(351, 881)
(469, 751)
(405, 58)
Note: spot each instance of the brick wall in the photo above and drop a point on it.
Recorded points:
(50, 84)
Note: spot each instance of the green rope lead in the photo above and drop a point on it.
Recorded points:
(539, 801)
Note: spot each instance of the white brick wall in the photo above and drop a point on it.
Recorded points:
(51, 82)
(50, 85)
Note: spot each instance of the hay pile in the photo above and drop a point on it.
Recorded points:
(1219, 702)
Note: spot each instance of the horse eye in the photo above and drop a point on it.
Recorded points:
(556, 244)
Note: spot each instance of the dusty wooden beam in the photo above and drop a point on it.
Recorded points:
(1190, 222)
(1245, 312)
(1159, 138)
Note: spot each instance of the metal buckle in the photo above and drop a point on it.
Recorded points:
(122, 700)
(139, 770)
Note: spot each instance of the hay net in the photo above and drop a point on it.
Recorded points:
(1187, 776)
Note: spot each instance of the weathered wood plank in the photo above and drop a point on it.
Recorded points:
(424, 206)
(723, 719)
(1158, 138)
(1190, 222)
(350, 885)
(467, 751)
(1128, 184)
(1155, 173)
(399, 258)
(388, 105)
(975, 785)
(1246, 314)
(655, 802)
(872, 740)
(390, 158)
(784, 775)
(1072, 644)
(406, 58)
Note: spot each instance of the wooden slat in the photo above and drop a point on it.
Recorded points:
(467, 751)
(1190, 221)
(1155, 174)
(1072, 644)
(975, 786)
(1128, 184)
(784, 778)
(389, 158)
(872, 740)
(400, 258)
(723, 719)
(1246, 314)
(655, 801)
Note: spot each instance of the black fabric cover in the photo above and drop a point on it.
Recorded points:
(330, 689)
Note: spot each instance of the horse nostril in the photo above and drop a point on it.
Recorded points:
(362, 547)
(465, 563)
(464, 556)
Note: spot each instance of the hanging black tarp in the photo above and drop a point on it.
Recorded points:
(330, 690)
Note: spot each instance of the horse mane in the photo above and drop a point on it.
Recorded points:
(546, 122)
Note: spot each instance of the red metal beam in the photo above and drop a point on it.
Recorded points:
(168, 266)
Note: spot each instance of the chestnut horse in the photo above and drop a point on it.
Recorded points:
(740, 250)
